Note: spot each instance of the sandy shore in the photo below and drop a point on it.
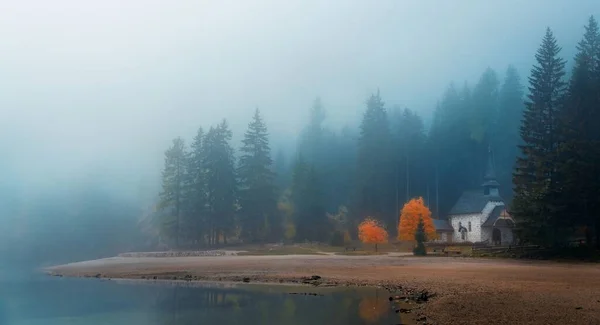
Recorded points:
(468, 291)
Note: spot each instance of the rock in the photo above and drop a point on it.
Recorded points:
(246, 280)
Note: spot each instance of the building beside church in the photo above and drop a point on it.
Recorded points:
(479, 216)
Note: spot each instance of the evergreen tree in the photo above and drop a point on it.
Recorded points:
(171, 198)
(506, 138)
(484, 106)
(451, 149)
(375, 169)
(421, 238)
(534, 178)
(310, 215)
(580, 130)
(409, 149)
(257, 192)
(282, 171)
(221, 182)
(196, 196)
(332, 155)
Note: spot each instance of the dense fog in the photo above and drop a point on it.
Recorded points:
(92, 94)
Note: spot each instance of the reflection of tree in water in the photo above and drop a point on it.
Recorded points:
(187, 306)
(182, 306)
(371, 309)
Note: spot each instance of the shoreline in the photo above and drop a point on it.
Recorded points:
(461, 288)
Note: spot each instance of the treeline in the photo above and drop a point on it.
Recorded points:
(557, 179)
(336, 178)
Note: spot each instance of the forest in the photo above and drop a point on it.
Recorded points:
(544, 132)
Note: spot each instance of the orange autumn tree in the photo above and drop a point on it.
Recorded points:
(412, 211)
(370, 231)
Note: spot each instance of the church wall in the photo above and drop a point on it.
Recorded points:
(486, 234)
(443, 237)
(471, 236)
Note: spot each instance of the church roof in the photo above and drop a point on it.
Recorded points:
(473, 202)
(493, 216)
(498, 218)
(442, 225)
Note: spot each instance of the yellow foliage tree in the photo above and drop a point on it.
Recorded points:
(371, 232)
(412, 211)
(286, 209)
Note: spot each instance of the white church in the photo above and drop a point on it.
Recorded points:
(479, 216)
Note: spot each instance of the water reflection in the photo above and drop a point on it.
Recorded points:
(52, 301)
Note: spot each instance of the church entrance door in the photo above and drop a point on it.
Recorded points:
(496, 237)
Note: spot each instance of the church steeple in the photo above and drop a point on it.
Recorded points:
(490, 184)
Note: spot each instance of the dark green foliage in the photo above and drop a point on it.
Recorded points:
(507, 139)
(173, 190)
(410, 152)
(548, 147)
(535, 179)
(258, 214)
(451, 150)
(421, 238)
(310, 215)
(221, 183)
(580, 134)
(375, 166)
(333, 156)
(195, 225)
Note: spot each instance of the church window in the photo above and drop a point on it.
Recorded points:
(469, 226)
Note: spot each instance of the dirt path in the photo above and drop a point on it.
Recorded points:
(469, 291)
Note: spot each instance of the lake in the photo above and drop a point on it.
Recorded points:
(34, 299)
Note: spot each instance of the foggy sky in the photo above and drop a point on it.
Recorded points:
(99, 88)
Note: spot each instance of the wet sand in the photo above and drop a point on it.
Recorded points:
(467, 290)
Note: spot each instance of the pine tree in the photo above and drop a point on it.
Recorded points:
(580, 130)
(409, 131)
(534, 178)
(452, 149)
(312, 139)
(282, 171)
(221, 182)
(171, 197)
(420, 237)
(484, 111)
(376, 194)
(310, 215)
(506, 136)
(257, 192)
(196, 218)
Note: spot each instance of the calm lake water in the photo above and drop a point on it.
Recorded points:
(33, 299)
